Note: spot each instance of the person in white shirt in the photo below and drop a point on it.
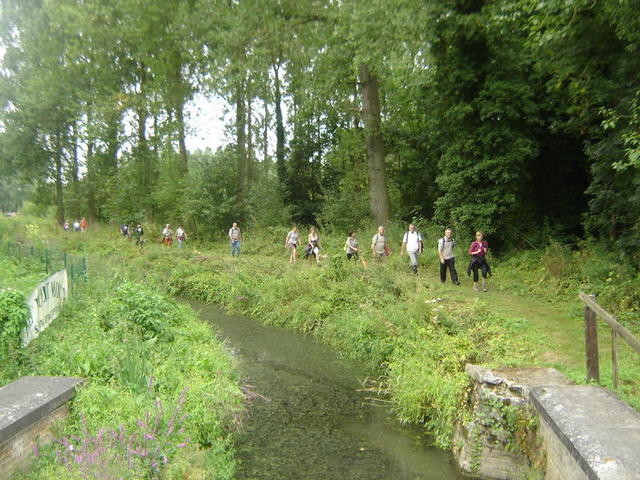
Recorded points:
(181, 236)
(412, 242)
(447, 257)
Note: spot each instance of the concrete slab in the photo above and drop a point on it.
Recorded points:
(599, 431)
(29, 399)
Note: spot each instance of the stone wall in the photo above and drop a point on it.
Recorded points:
(588, 433)
(534, 423)
(17, 453)
(29, 407)
(496, 438)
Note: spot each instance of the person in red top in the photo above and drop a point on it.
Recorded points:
(84, 225)
(478, 251)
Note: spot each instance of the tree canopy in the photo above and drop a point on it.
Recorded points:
(517, 117)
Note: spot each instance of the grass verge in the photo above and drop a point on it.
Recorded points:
(157, 379)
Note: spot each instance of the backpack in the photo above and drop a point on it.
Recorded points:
(387, 250)
(405, 239)
(444, 241)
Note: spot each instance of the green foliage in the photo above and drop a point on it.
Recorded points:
(209, 202)
(121, 337)
(13, 315)
(514, 117)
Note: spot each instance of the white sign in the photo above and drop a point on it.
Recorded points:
(45, 303)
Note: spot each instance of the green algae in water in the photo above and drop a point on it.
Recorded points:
(309, 421)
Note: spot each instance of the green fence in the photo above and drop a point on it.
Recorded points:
(52, 259)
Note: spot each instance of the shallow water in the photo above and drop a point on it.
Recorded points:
(311, 423)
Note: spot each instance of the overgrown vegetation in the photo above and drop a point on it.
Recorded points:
(413, 330)
(139, 351)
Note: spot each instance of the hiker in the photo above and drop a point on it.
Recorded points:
(124, 230)
(478, 250)
(379, 248)
(76, 226)
(65, 226)
(412, 242)
(84, 225)
(167, 236)
(312, 248)
(181, 236)
(447, 258)
(351, 246)
(138, 233)
(234, 239)
(291, 242)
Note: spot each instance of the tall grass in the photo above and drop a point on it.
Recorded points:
(413, 332)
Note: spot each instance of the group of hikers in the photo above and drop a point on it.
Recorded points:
(137, 235)
(167, 236)
(412, 244)
(76, 226)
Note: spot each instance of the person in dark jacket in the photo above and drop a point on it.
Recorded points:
(478, 251)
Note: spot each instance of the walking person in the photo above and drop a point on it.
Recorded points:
(124, 230)
(312, 248)
(181, 236)
(76, 226)
(351, 246)
(379, 247)
(447, 258)
(138, 233)
(478, 251)
(167, 236)
(234, 239)
(412, 242)
(291, 242)
(84, 225)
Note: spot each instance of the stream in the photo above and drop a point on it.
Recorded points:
(309, 420)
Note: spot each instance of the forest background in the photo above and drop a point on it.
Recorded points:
(517, 117)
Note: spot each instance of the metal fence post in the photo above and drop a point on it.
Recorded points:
(591, 344)
(46, 261)
(614, 358)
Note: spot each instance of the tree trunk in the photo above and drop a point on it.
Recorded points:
(178, 92)
(250, 150)
(182, 143)
(112, 141)
(59, 179)
(378, 193)
(143, 156)
(265, 133)
(241, 141)
(91, 179)
(280, 133)
(75, 166)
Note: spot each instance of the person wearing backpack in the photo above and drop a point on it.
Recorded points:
(478, 251)
(234, 239)
(379, 247)
(447, 258)
(412, 242)
(138, 233)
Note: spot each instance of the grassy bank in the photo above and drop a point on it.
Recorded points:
(414, 332)
(157, 378)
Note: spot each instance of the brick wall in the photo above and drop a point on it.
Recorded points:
(17, 453)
